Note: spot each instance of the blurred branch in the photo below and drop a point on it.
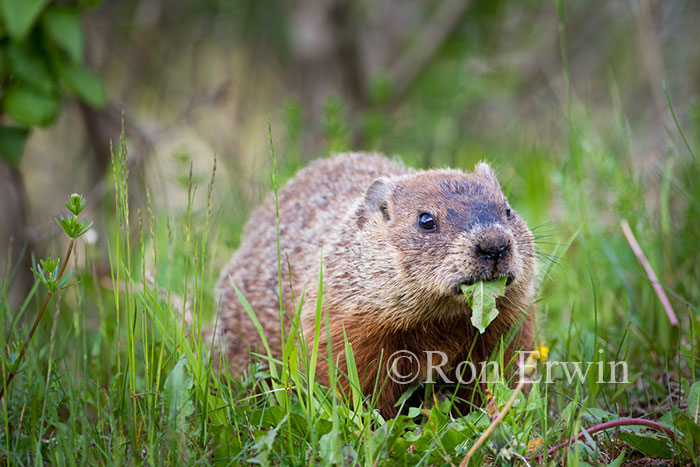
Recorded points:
(417, 57)
(348, 52)
(101, 127)
(146, 21)
(209, 100)
(326, 40)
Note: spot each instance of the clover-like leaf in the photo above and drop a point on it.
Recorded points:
(83, 227)
(47, 272)
(72, 227)
(65, 223)
(39, 273)
(76, 203)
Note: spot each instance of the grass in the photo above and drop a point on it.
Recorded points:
(118, 373)
(123, 376)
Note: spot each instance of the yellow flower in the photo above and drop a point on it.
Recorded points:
(491, 406)
(542, 352)
(534, 444)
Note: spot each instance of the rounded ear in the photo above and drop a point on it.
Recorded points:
(377, 196)
(484, 170)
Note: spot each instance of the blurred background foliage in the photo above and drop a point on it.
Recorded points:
(42, 55)
(589, 111)
(565, 98)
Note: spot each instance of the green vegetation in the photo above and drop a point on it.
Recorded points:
(139, 386)
(481, 297)
(41, 60)
(117, 371)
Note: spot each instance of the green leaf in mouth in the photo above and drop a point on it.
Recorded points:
(481, 297)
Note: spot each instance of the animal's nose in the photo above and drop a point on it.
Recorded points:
(493, 246)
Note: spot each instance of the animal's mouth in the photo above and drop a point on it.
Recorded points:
(473, 280)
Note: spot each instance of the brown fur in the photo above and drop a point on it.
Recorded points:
(387, 284)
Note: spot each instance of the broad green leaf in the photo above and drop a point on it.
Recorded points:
(176, 396)
(84, 83)
(689, 428)
(481, 297)
(667, 419)
(693, 410)
(649, 445)
(12, 141)
(596, 415)
(28, 108)
(265, 443)
(378, 440)
(30, 69)
(331, 448)
(451, 439)
(20, 15)
(62, 25)
(414, 412)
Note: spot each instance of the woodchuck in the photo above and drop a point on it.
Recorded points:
(397, 244)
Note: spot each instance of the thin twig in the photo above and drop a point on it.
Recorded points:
(650, 272)
(484, 436)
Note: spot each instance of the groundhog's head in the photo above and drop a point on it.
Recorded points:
(446, 228)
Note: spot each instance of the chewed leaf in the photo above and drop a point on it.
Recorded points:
(481, 297)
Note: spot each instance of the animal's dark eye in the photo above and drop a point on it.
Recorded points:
(426, 221)
(509, 213)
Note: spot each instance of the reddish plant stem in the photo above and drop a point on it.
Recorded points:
(611, 424)
(12, 374)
